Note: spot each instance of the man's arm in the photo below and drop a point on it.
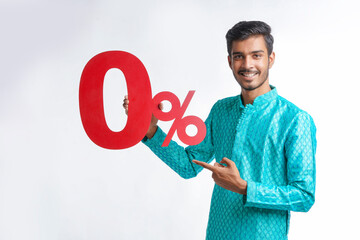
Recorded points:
(180, 159)
(176, 157)
(299, 193)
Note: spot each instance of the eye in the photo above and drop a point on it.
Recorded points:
(257, 55)
(238, 56)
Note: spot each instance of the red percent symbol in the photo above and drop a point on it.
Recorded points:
(141, 104)
(180, 123)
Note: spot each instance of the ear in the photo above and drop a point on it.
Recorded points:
(271, 59)
(229, 61)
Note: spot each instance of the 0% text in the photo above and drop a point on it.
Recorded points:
(141, 104)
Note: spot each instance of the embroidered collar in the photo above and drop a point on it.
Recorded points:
(262, 99)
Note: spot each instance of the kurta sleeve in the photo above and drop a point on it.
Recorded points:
(180, 159)
(299, 194)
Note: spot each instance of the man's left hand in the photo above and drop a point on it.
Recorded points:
(227, 176)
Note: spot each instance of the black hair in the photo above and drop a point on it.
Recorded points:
(245, 29)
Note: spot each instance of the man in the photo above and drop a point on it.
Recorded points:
(264, 147)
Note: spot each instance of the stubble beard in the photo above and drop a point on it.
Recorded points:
(255, 87)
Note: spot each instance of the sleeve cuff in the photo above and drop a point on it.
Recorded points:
(250, 196)
(157, 139)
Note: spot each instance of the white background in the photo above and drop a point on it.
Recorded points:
(56, 184)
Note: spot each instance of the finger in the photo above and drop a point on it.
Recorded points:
(126, 97)
(218, 165)
(205, 165)
(161, 106)
(228, 162)
(125, 105)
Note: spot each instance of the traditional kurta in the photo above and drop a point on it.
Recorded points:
(272, 143)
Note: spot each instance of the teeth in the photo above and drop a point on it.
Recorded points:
(248, 74)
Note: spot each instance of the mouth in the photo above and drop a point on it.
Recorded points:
(248, 75)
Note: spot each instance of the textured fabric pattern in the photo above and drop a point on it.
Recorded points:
(273, 145)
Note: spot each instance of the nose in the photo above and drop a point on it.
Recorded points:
(247, 63)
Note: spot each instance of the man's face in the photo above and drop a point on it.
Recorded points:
(250, 62)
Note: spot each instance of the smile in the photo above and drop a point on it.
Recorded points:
(248, 75)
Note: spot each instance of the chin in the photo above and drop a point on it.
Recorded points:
(250, 87)
(247, 85)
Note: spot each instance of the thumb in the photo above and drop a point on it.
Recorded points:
(227, 161)
(218, 165)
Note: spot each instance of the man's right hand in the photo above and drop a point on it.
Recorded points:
(153, 125)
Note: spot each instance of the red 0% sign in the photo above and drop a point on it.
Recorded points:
(141, 104)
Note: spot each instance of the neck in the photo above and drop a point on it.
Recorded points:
(248, 96)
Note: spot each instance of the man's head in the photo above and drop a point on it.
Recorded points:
(245, 29)
(250, 54)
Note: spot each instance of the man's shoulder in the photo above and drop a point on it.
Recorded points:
(227, 102)
(289, 105)
(290, 109)
(225, 105)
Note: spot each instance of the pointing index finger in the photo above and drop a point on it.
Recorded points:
(204, 165)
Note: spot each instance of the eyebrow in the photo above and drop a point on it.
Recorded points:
(257, 51)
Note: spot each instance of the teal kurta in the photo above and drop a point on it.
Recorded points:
(273, 145)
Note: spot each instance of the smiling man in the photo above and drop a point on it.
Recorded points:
(264, 147)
